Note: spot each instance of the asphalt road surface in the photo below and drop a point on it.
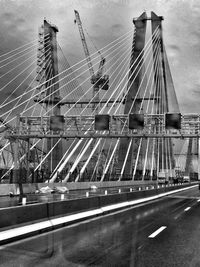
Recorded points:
(165, 232)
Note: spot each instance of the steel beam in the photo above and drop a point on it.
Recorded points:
(99, 135)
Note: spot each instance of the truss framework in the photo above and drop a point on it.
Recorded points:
(83, 127)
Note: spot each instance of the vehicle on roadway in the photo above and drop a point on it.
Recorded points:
(186, 179)
(163, 177)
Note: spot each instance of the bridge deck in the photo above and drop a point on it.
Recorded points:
(120, 239)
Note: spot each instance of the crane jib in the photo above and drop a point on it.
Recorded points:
(100, 81)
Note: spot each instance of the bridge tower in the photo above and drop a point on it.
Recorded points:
(48, 60)
(133, 98)
(137, 48)
(169, 103)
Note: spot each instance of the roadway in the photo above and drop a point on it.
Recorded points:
(124, 238)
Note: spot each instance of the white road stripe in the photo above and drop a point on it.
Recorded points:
(188, 208)
(175, 218)
(198, 200)
(154, 234)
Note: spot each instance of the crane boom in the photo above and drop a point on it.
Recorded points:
(98, 80)
(86, 51)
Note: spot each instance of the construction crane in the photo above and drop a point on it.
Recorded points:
(100, 81)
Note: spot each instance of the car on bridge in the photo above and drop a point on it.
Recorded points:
(186, 179)
(163, 177)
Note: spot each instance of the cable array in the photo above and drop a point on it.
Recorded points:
(79, 158)
(36, 86)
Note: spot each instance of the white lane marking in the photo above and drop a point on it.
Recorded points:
(188, 208)
(154, 234)
(140, 247)
(175, 218)
(198, 200)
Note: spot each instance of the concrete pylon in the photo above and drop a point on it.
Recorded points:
(52, 103)
(169, 103)
(133, 85)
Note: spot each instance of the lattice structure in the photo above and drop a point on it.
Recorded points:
(78, 126)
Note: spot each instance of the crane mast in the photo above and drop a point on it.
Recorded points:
(85, 48)
(98, 80)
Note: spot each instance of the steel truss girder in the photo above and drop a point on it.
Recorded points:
(83, 127)
(101, 135)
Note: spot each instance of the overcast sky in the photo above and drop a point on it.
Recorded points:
(105, 21)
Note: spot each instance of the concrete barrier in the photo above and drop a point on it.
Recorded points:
(112, 199)
(5, 189)
(22, 214)
(29, 188)
(13, 216)
(135, 195)
(72, 206)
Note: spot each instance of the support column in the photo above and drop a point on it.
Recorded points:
(133, 85)
(28, 160)
(16, 164)
(168, 90)
(52, 102)
(199, 159)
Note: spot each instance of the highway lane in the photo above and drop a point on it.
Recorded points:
(119, 239)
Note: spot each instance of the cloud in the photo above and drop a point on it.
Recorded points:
(173, 53)
(20, 20)
(14, 24)
(196, 89)
(194, 39)
(117, 27)
(96, 27)
(7, 15)
(174, 48)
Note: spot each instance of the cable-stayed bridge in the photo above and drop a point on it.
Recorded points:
(57, 124)
(99, 145)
